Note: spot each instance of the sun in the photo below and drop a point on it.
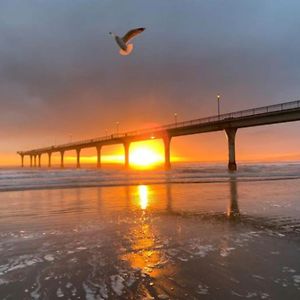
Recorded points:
(146, 154)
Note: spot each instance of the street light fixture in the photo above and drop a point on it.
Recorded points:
(117, 123)
(218, 100)
(175, 118)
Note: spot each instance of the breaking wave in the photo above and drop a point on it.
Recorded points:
(24, 179)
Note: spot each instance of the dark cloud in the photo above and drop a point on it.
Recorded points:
(60, 71)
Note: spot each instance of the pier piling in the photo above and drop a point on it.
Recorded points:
(231, 132)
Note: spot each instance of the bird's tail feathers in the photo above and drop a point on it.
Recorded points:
(128, 51)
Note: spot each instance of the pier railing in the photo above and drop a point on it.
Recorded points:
(238, 114)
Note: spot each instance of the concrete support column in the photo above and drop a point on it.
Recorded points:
(34, 160)
(167, 143)
(49, 159)
(126, 150)
(62, 153)
(22, 160)
(30, 160)
(39, 157)
(231, 132)
(98, 148)
(78, 157)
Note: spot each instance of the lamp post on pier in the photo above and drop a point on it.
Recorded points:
(218, 100)
(175, 118)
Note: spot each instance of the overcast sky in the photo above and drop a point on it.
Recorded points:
(61, 74)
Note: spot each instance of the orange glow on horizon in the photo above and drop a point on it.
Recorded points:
(142, 155)
(150, 154)
(114, 158)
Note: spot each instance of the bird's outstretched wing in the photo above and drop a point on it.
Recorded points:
(132, 33)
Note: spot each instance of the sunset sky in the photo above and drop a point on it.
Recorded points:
(62, 78)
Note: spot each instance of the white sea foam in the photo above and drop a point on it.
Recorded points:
(20, 262)
(59, 293)
(117, 284)
(202, 289)
(89, 293)
(202, 250)
(296, 278)
(49, 257)
(3, 281)
(36, 293)
(226, 251)
(19, 179)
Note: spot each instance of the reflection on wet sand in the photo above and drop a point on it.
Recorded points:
(233, 211)
(143, 191)
(145, 253)
(160, 199)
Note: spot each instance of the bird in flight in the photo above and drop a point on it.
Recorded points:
(122, 42)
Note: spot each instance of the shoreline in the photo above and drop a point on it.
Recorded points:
(140, 183)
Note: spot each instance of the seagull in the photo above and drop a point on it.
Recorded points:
(122, 42)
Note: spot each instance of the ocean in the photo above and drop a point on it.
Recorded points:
(194, 232)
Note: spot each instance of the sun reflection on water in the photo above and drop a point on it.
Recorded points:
(143, 195)
(146, 249)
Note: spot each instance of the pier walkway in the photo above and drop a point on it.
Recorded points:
(230, 123)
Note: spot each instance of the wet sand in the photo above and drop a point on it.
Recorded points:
(228, 240)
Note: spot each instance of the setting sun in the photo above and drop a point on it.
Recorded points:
(146, 154)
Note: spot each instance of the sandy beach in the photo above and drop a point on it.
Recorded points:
(235, 239)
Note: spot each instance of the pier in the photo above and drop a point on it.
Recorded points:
(229, 123)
